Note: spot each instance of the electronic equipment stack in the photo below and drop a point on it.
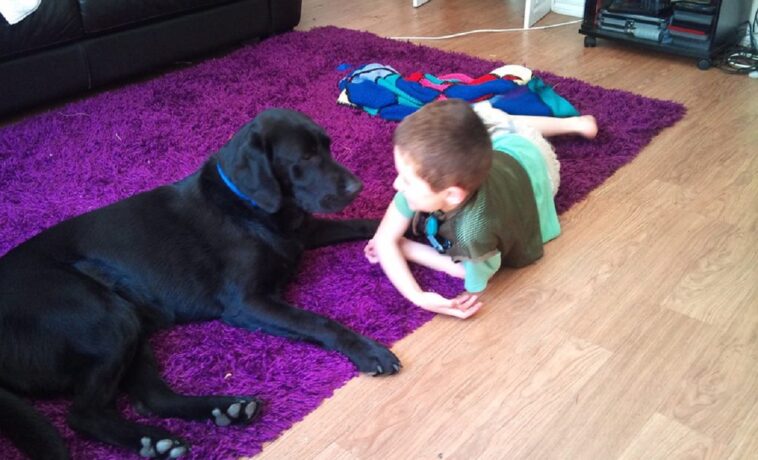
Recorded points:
(697, 28)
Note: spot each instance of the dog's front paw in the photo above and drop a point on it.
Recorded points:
(376, 359)
(238, 412)
(162, 448)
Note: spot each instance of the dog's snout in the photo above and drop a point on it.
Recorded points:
(353, 186)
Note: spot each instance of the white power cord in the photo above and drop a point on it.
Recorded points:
(483, 31)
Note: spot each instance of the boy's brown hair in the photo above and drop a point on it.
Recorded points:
(448, 144)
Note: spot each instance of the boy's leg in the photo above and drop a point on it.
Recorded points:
(584, 125)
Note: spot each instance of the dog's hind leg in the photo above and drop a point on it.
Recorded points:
(151, 393)
(105, 353)
(28, 430)
(65, 332)
(106, 424)
(94, 414)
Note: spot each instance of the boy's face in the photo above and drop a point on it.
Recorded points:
(418, 192)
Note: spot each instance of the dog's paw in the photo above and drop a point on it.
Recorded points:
(240, 411)
(162, 448)
(376, 359)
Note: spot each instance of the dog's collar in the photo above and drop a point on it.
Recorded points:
(230, 185)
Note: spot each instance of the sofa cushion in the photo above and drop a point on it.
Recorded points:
(53, 23)
(133, 50)
(42, 76)
(99, 16)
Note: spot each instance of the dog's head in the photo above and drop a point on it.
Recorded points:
(284, 155)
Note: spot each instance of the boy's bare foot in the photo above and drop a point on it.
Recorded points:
(586, 126)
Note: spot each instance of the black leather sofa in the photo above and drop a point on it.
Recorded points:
(68, 46)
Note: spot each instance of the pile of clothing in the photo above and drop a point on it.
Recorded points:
(380, 90)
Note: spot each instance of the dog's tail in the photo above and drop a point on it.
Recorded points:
(28, 430)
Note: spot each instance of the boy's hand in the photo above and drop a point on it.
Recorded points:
(462, 306)
(370, 252)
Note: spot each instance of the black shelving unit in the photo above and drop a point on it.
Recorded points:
(723, 31)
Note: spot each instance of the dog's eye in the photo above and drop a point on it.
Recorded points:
(308, 153)
(297, 172)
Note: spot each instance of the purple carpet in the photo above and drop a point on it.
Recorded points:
(89, 153)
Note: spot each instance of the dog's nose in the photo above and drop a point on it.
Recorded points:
(353, 186)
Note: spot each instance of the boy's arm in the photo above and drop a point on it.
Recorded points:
(425, 255)
(388, 243)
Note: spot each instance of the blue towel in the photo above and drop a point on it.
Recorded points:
(521, 101)
(417, 91)
(396, 112)
(370, 94)
(559, 106)
(473, 92)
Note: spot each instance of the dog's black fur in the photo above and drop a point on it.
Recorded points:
(78, 301)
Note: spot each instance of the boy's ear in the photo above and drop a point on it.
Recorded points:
(455, 195)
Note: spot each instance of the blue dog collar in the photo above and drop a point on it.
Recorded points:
(431, 229)
(230, 185)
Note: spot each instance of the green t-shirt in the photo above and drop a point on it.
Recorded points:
(530, 158)
(478, 273)
(513, 213)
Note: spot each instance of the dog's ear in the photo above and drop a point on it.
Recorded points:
(247, 163)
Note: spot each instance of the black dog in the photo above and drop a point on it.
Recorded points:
(78, 301)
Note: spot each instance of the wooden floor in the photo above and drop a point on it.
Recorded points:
(635, 337)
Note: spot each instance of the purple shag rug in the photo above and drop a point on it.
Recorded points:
(92, 152)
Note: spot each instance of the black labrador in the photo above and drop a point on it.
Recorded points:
(78, 300)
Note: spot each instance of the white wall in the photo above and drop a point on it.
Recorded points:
(572, 7)
(746, 40)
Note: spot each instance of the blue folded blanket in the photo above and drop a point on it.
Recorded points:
(380, 90)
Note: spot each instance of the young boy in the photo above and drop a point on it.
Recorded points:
(477, 208)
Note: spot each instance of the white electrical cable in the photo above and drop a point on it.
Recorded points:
(481, 31)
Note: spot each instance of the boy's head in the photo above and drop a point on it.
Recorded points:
(442, 154)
